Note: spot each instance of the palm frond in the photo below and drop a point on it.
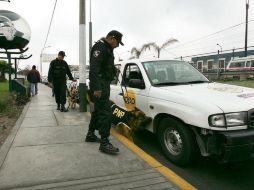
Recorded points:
(168, 42)
(149, 46)
(136, 52)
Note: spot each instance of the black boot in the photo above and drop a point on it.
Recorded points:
(58, 107)
(63, 109)
(91, 137)
(107, 147)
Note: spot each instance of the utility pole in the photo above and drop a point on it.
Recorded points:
(90, 28)
(246, 28)
(82, 56)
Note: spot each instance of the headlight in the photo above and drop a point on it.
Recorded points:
(217, 120)
(236, 119)
(228, 119)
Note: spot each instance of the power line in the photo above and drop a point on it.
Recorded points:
(211, 34)
(52, 16)
(200, 45)
(209, 53)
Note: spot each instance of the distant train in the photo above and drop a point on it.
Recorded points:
(241, 64)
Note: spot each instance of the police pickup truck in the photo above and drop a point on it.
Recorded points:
(191, 115)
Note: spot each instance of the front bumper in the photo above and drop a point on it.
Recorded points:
(236, 145)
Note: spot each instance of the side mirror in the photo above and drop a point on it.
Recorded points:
(136, 83)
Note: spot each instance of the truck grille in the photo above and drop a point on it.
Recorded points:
(251, 118)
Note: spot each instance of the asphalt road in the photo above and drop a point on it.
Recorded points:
(206, 174)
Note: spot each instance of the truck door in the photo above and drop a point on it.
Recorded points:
(115, 85)
(136, 95)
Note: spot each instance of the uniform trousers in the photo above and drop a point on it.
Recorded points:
(101, 115)
(59, 87)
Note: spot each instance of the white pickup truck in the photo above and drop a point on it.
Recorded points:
(191, 115)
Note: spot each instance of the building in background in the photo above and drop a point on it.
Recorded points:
(216, 62)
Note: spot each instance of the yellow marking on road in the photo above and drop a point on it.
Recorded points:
(169, 174)
(166, 172)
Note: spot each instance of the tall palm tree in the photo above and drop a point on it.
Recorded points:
(135, 52)
(156, 47)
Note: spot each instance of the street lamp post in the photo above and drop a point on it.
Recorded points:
(218, 70)
(246, 28)
(220, 48)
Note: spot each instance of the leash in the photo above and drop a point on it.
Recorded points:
(123, 85)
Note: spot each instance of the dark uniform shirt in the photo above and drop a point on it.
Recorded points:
(101, 65)
(58, 70)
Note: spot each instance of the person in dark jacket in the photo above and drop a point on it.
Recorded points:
(34, 77)
(58, 70)
(102, 72)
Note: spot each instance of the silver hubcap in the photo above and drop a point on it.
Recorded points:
(173, 141)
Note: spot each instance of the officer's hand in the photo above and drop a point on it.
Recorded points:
(97, 94)
(50, 84)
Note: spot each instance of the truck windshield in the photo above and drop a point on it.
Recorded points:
(168, 72)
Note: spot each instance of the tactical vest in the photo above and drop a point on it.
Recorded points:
(59, 70)
(108, 70)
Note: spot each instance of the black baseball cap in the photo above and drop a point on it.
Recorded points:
(117, 35)
(62, 53)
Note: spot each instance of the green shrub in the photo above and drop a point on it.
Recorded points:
(228, 79)
(3, 80)
(4, 87)
(5, 102)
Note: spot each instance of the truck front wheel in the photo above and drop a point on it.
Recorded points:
(177, 141)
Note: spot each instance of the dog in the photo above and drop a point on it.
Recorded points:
(125, 122)
(124, 130)
(135, 119)
(73, 98)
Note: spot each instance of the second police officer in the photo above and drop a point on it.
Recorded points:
(102, 72)
(58, 70)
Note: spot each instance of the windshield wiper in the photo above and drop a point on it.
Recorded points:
(169, 83)
(198, 81)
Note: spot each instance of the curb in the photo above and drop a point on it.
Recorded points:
(166, 172)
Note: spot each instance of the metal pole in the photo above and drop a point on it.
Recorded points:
(9, 63)
(15, 68)
(218, 69)
(82, 56)
(90, 29)
(41, 62)
(246, 28)
(220, 48)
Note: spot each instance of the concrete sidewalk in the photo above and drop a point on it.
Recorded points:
(46, 150)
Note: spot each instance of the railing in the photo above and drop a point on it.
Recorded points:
(20, 88)
(241, 75)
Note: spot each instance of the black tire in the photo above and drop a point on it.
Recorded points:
(177, 141)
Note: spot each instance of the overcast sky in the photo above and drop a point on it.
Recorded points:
(140, 21)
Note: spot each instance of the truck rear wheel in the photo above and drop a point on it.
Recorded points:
(177, 141)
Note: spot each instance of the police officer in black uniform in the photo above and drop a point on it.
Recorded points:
(102, 72)
(57, 75)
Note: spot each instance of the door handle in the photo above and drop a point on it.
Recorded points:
(121, 94)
